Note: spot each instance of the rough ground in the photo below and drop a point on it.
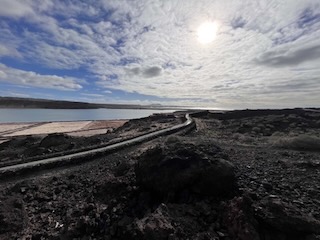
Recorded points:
(271, 190)
(26, 148)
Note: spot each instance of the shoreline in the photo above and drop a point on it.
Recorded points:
(73, 128)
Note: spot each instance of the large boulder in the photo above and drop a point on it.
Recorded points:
(171, 168)
(54, 140)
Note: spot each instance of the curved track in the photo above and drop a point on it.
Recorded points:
(94, 152)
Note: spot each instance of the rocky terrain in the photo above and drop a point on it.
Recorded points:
(26, 148)
(239, 175)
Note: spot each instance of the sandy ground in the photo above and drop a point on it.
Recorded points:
(78, 128)
(5, 127)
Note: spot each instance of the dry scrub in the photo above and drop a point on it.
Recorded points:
(301, 142)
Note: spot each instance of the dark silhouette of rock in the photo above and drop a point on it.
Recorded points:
(169, 169)
(280, 216)
(17, 142)
(55, 139)
(34, 151)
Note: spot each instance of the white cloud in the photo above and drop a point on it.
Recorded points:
(29, 78)
(264, 50)
(92, 95)
(15, 8)
(8, 51)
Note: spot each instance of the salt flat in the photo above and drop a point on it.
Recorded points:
(77, 128)
(4, 127)
(52, 127)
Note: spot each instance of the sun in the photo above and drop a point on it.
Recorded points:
(207, 32)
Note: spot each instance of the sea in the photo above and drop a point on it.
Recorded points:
(13, 115)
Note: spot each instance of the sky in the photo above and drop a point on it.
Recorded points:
(260, 54)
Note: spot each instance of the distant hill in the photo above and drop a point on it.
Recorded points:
(13, 102)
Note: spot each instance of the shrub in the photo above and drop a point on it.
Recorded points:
(277, 134)
(256, 129)
(172, 139)
(243, 138)
(301, 142)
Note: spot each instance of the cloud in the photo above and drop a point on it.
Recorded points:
(308, 18)
(8, 51)
(148, 72)
(289, 58)
(152, 72)
(29, 78)
(238, 22)
(15, 8)
(264, 50)
(92, 95)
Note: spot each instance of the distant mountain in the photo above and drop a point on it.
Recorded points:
(14, 102)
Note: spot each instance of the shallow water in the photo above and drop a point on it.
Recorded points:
(10, 115)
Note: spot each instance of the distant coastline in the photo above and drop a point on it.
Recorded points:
(21, 103)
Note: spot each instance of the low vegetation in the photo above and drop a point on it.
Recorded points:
(301, 142)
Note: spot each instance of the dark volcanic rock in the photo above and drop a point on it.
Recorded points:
(268, 219)
(238, 217)
(274, 213)
(167, 170)
(12, 215)
(55, 139)
(156, 226)
(34, 151)
(114, 197)
(18, 142)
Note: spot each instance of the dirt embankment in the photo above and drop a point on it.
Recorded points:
(25, 148)
(237, 178)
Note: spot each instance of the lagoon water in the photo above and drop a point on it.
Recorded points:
(10, 115)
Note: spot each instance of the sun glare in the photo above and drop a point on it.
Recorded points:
(207, 32)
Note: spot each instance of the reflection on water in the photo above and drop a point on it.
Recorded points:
(9, 115)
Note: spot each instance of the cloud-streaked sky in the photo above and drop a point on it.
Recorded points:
(266, 53)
